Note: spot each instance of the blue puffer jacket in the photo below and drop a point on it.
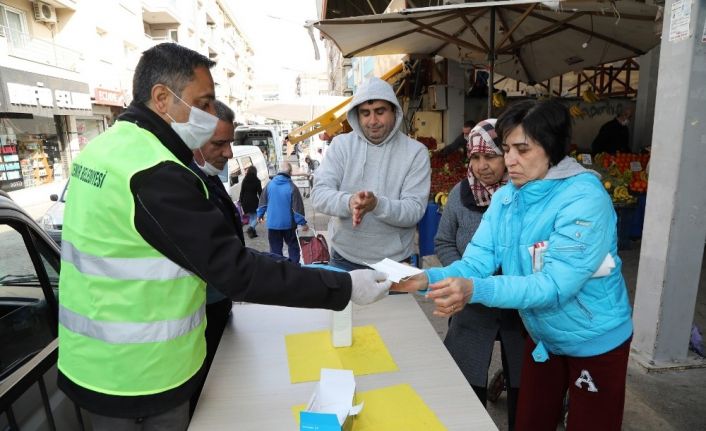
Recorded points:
(283, 203)
(566, 309)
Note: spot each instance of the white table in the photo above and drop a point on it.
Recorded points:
(248, 387)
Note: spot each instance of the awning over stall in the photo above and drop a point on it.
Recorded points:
(533, 40)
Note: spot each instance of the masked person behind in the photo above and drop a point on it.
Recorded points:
(208, 162)
(461, 140)
(552, 230)
(614, 136)
(141, 240)
(374, 182)
(473, 331)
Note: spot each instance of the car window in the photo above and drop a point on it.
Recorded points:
(245, 162)
(235, 171)
(28, 284)
(262, 169)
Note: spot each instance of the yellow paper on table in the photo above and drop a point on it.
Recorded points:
(395, 408)
(309, 352)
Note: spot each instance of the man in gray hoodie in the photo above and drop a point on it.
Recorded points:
(374, 182)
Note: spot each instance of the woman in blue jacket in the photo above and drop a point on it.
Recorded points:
(552, 229)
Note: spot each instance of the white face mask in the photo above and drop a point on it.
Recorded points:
(207, 168)
(198, 130)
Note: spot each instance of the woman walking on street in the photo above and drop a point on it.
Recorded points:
(473, 331)
(250, 192)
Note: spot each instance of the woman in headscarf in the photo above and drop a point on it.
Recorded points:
(473, 331)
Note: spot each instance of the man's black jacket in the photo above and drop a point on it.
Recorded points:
(174, 216)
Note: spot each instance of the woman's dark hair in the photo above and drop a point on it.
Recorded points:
(252, 171)
(169, 64)
(547, 122)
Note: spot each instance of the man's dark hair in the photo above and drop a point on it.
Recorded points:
(169, 64)
(223, 112)
(469, 124)
(371, 101)
(547, 122)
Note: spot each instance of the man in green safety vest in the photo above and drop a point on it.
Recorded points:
(140, 242)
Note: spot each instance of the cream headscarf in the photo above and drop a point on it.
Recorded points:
(483, 139)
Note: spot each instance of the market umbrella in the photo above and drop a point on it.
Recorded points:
(294, 109)
(530, 41)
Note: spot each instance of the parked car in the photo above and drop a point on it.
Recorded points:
(53, 219)
(29, 282)
(245, 156)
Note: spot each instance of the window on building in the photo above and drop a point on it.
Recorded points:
(132, 55)
(13, 25)
(105, 50)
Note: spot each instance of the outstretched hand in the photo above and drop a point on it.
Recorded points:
(368, 286)
(411, 284)
(450, 295)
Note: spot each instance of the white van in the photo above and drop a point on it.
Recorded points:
(245, 156)
(265, 137)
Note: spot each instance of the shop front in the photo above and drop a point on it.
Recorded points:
(38, 122)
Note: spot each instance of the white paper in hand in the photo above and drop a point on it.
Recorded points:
(395, 271)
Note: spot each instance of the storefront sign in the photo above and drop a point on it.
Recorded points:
(109, 97)
(19, 94)
(42, 95)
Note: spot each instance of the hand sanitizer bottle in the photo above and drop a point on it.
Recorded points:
(342, 327)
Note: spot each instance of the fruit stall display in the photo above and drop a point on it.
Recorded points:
(446, 172)
(624, 175)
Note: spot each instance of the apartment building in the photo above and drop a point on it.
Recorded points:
(66, 71)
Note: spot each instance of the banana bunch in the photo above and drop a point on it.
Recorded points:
(441, 198)
(576, 111)
(621, 194)
(498, 100)
(614, 171)
(589, 96)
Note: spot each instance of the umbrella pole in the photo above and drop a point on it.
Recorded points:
(491, 62)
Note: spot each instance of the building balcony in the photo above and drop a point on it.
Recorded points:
(150, 41)
(160, 12)
(215, 39)
(212, 13)
(64, 4)
(21, 45)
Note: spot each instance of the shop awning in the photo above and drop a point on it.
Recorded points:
(533, 41)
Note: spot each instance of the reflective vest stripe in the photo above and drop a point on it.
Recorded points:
(122, 268)
(130, 332)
